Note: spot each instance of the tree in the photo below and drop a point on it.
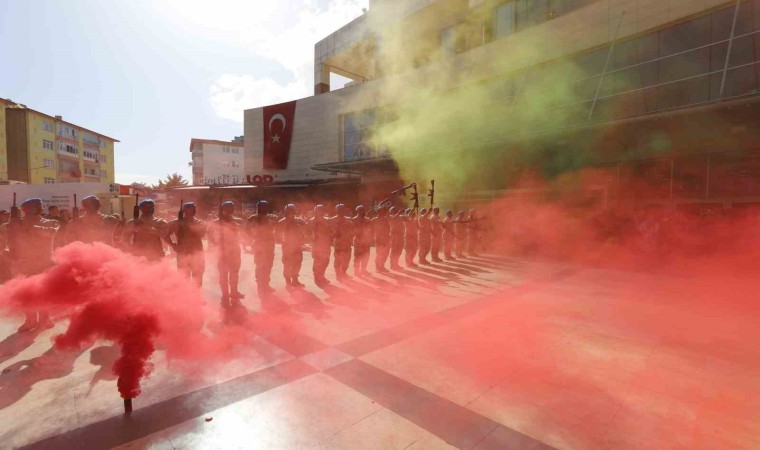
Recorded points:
(174, 180)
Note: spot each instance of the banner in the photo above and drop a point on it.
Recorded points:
(278, 131)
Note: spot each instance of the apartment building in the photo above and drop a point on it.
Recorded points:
(217, 162)
(660, 94)
(44, 149)
(3, 142)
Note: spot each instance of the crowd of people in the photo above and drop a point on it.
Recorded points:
(421, 237)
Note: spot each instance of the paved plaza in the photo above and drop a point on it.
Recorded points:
(484, 352)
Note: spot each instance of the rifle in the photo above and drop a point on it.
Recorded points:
(15, 219)
(135, 216)
(136, 208)
(221, 224)
(180, 221)
(401, 191)
(431, 193)
(15, 215)
(75, 209)
(416, 197)
(123, 226)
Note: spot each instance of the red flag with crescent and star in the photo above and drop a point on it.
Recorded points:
(278, 131)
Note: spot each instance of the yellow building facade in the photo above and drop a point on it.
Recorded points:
(43, 149)
(3, 145)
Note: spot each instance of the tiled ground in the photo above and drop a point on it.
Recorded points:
(483, 353)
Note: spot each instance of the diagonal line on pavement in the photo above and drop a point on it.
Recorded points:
(453, 423)
(151, 419)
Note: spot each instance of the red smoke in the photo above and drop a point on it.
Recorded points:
(580, 222)
(110, 295)
(599, 357)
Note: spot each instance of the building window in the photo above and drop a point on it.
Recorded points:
(90, 155)
(48, 145)
(504, 20)
(91, 139)
(102, 159)
(91, 171)
(102, 143)
(531, 12)
(66, 131)
(103, 174)
(68, 148)
(48, 163)
(236, 151)
(49, 180)
(360, 139)
(234, 164)
(448, 41)
(47, 126)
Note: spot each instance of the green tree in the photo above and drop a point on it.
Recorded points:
(174, 180)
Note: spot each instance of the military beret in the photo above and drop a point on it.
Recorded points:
(31, 201)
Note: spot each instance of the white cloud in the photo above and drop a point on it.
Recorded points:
(231, 94)
(284, 32)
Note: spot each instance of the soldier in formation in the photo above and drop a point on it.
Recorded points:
(186, 235)
(26, 243)
(343, 231)
(321, 244)
(147, 233)
(292, 246)
(29, 241)
(91, 226)
(225, 235)
(261, 231)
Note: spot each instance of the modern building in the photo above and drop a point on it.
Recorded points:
(44, 149)
(658, 95)
(217, 162)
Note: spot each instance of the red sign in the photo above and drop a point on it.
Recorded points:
(278, 131)
(259, 179)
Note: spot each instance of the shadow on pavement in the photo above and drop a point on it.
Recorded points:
(23, 375)
(16, 343)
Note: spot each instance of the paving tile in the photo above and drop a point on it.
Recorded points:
(456, 425)
(432, 443)
(382, 430)
(324, 359)
(505, 438)
(294, 342)
(460, 361)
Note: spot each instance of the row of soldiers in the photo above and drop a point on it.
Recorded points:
(425, 236)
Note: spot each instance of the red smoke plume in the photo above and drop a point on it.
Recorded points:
(110, 295)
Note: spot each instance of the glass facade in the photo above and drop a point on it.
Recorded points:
(716, 177)
(360, 137)
(672, 68)
(676, 67)
(504, 20)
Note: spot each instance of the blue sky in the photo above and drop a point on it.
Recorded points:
(155, 74)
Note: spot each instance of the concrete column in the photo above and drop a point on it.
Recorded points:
(321, 79)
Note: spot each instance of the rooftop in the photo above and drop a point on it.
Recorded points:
(235, 143)
(58, 119)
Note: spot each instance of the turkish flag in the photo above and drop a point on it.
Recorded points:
(278, 131)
